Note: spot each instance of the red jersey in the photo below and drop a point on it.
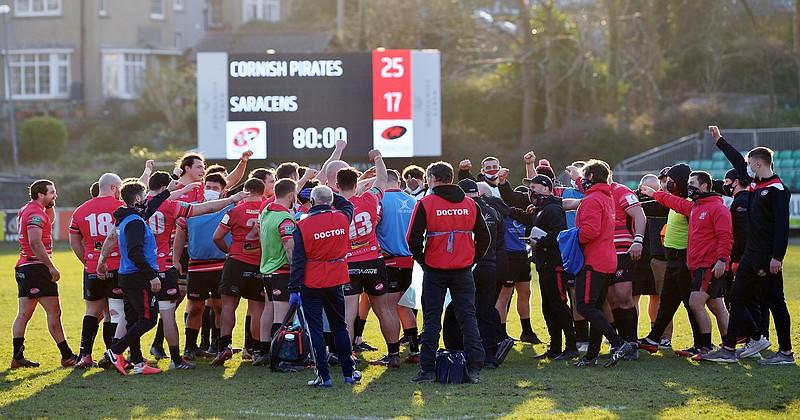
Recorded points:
(196, 195)
(265, 201)
(162, 223)
(33, 215)
(94, 220)
(363, 238)
(242, 220)
(624, 199)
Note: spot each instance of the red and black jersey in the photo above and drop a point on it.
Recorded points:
(162, 223)
(94, 221)
(363, 236)
(33, 216)
(242, 220)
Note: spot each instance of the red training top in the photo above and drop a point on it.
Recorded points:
(595, 218)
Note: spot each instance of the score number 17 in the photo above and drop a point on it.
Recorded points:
(393, 68)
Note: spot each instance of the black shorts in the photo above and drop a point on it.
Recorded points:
(185, 264)
(398, 280)
(519, 269)
(703, 280)
(34, 281)
(169, 286)
(644, 282)
(366, 276)
(203, 285)
(625, 269)
(277, 286)
(502, 268)
(95, 289)
(242, 280)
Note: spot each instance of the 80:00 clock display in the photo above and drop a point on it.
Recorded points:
(312, 138)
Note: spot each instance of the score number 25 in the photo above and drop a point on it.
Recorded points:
(393, 68)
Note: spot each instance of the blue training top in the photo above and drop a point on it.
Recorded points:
(397, 208)
(201, 233)
(571, 193)
(514, 231)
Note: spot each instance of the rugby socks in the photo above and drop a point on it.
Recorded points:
(358, 328)
(248, 337)
(705, 340)
(224, 341)
(394, 348)
(158, 340)
(109, 328)
(66, 352)
(191, 338)
(582, 330)
(19, 348)
(264, 346)
(205, 330)
(88, 334)
(503, 331)
(215, 339)
(413, 342)
(526, 325)
(175, 354)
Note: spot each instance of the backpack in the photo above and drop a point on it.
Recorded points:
(291, 345)
(451, 367)
(571, 253)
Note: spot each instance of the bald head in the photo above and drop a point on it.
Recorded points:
(109, 185)
(484, 189)
(321, 195)
(333, 168)
(651, 181)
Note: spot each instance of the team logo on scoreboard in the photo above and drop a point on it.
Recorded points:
(246, 135)
(394, 132)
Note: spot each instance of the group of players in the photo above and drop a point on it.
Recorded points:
(674, 239)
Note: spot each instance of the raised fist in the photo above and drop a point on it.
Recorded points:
(465, 165)
(341, 144)
(530, 158)
(246, 155)
(502, 175)
(150, 164)
(715, 134)
(373, 155)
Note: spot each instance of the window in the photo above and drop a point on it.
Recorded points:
(157, 9)
(177, 5)
(214, 14)
(178, 39)
(123, 74)
(33, 8)
(269, 10)
(40, 74)
(102, 7)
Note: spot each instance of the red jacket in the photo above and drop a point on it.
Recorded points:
(595, 218)
(710, 228)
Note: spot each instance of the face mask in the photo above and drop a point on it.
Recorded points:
(141, 206)
(573, 184)
(750, 172)
(538, 199)
(211, 195)
(694, 192)
(586, 184)
(671, 187)
(491, 174)
(728, 190)
(642, 197)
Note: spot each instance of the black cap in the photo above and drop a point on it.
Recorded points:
(733, 175)
(663, 173)
(469, 186)
(539, 179)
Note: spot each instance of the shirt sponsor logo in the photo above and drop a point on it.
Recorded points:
(34, 291)
(452, 212)
(329, 233)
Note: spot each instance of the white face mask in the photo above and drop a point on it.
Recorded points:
(211, 195)
(750, 172)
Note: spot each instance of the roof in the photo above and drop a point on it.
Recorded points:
(238, 43)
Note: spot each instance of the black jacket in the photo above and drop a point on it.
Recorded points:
(494, 223)
(134, 233)
(552, 219)
(767, 214)
(416, 232)
(739, 218)
(656, 220)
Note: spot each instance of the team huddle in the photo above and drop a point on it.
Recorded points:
(340, 244)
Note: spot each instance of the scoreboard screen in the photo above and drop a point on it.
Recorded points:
(296, 106)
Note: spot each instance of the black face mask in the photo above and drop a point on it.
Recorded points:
(642, 196)
(671, 187)
(694, 192)
(537, 199)
(728, 190)
(586, 184)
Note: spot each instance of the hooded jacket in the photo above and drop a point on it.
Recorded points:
(135, 239)
(710, 228)
(595, 219)
(421, 239)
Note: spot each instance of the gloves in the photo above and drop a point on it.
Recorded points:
(294, 298)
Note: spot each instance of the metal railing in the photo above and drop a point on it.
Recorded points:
(700, 146)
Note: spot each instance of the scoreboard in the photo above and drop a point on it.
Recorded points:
(296, 106)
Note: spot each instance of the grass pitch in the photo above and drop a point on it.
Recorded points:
(661, 385)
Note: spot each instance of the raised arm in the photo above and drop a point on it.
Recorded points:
(530, 164)
(322, 176)
(734, 157)
(238, 172)
(149, 165)
(381, 176)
